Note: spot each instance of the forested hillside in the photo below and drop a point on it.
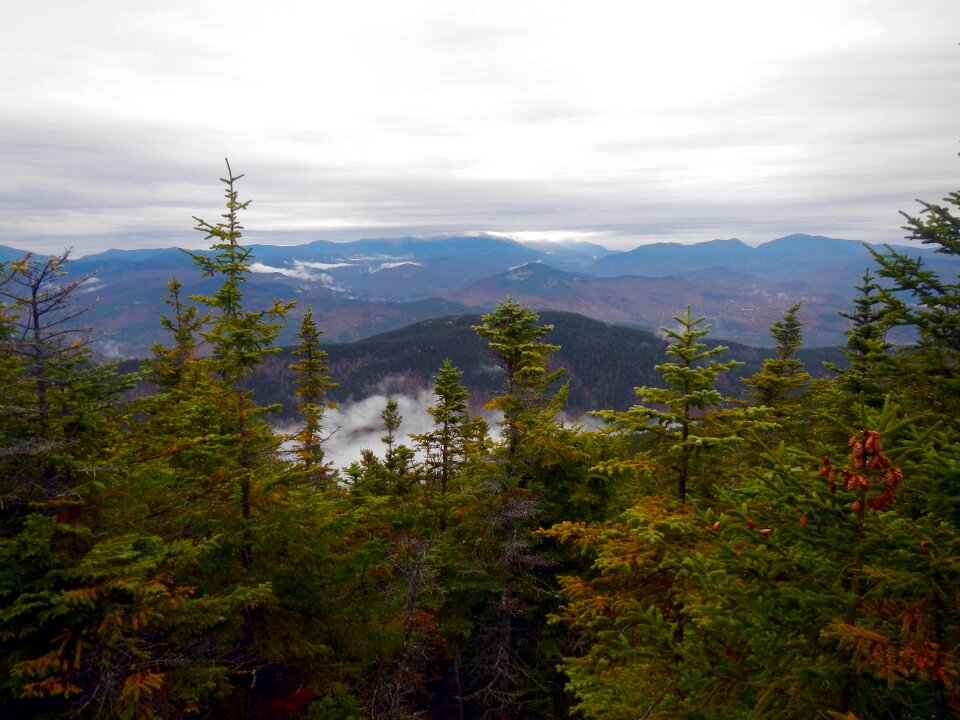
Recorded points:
(602, 362)
(794, 553)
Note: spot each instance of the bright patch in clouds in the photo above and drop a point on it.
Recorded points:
(555, 236)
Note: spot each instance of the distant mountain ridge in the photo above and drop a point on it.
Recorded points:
(740, 307)
(361, 288)
(779, 258)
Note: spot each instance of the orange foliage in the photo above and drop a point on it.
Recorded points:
(867, 459)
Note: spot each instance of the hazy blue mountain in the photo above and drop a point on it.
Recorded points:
(740, 307)
(360, 288)
(9, 253)
(570, 254)
(665, 259)
(825, 260)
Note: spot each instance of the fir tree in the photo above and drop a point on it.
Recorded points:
(637, 651)
(510, 599)
(398, 458)
(820, 597)
(59, 402)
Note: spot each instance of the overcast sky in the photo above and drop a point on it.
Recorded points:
(617, 122)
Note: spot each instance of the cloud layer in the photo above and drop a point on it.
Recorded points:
(623, 122)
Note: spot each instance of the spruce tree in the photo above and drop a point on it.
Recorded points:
(677, 416)
(529, 398)
(867, 378)
(311, 387)
(86, 589)
(58, 401)
(819, 594)
(184, 324)
(446, 445)
(782, 377)
(928, 304)
(239, 339)
(638, 651)
(500, 668)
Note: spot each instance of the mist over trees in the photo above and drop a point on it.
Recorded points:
(790, 552)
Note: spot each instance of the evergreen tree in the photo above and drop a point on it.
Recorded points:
(677, 416)
(636, 651)
(392, 419)
(928, 304)
(311, 386)
(454, 434)
(630, 646)
(394, 474)
(867, 378)
(539, 470)
(43, 318)
(819, 596)
(85, 590)
(184, 325)
(527, 403)
(782, 377)
(59, 395)
(239, 339)
(398, 458)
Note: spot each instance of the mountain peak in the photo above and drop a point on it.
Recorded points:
(803, 239)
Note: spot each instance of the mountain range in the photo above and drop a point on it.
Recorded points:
(362, 288)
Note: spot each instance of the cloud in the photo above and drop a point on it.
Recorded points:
(374, 258)
(322, 266)
(634, 121)
(110, 350)
(301, 271)
(287, 272)
(92, 284)
(359, 425)
(391, 265)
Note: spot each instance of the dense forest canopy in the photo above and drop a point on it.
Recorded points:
(793, 553)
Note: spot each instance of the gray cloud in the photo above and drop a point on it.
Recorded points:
(636, 123)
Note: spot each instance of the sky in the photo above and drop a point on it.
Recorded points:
(620, 123)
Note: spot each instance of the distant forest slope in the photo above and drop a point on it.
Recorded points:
(603, 362)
